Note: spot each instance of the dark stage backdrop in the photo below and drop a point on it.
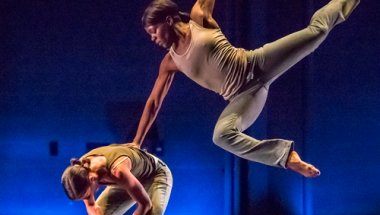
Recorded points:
(77, 73)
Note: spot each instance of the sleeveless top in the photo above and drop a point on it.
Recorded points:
(143, 163)
(212, 62)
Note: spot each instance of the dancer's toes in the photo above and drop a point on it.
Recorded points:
(305, 169)
(312, 172)
(296, 164)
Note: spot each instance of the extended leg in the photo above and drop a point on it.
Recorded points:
(282, 54)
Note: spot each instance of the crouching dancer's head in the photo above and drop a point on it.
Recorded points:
(76, 179)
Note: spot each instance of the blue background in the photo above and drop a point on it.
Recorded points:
(79, 72)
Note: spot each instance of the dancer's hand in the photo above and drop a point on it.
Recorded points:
(134, 144)
(92, 207)
(98, 210)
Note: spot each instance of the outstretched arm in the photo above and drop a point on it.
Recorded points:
(152, 106)
(201, 13)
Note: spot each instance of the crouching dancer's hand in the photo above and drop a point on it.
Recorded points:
(135, 144)
(91, 206)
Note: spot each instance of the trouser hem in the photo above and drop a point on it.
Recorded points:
(287, 150)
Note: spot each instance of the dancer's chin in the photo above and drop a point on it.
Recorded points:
(165, 46)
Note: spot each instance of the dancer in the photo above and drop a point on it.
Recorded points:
(200, 50)
(130, 174)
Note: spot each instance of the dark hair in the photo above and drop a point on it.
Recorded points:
(158, 10)
(75, 179)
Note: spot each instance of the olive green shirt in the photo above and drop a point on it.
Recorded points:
(143, 163)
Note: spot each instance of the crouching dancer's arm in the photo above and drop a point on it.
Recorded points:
(136, 191)
(91, 206)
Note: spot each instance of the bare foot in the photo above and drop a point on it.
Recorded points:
(296, 164)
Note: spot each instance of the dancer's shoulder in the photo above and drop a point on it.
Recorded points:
(201, 13)
(168, 64)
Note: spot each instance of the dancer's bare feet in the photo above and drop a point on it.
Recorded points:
(296, 164)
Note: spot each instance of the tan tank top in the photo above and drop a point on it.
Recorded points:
(212, 62)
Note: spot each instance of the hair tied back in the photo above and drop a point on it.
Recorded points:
(184, 13)
(185, 17)
(75, 161)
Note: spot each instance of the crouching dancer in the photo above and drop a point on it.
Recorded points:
(130, 174)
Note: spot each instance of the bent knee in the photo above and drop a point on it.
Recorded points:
(319, 30)
(223, 137)
(217, 139)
